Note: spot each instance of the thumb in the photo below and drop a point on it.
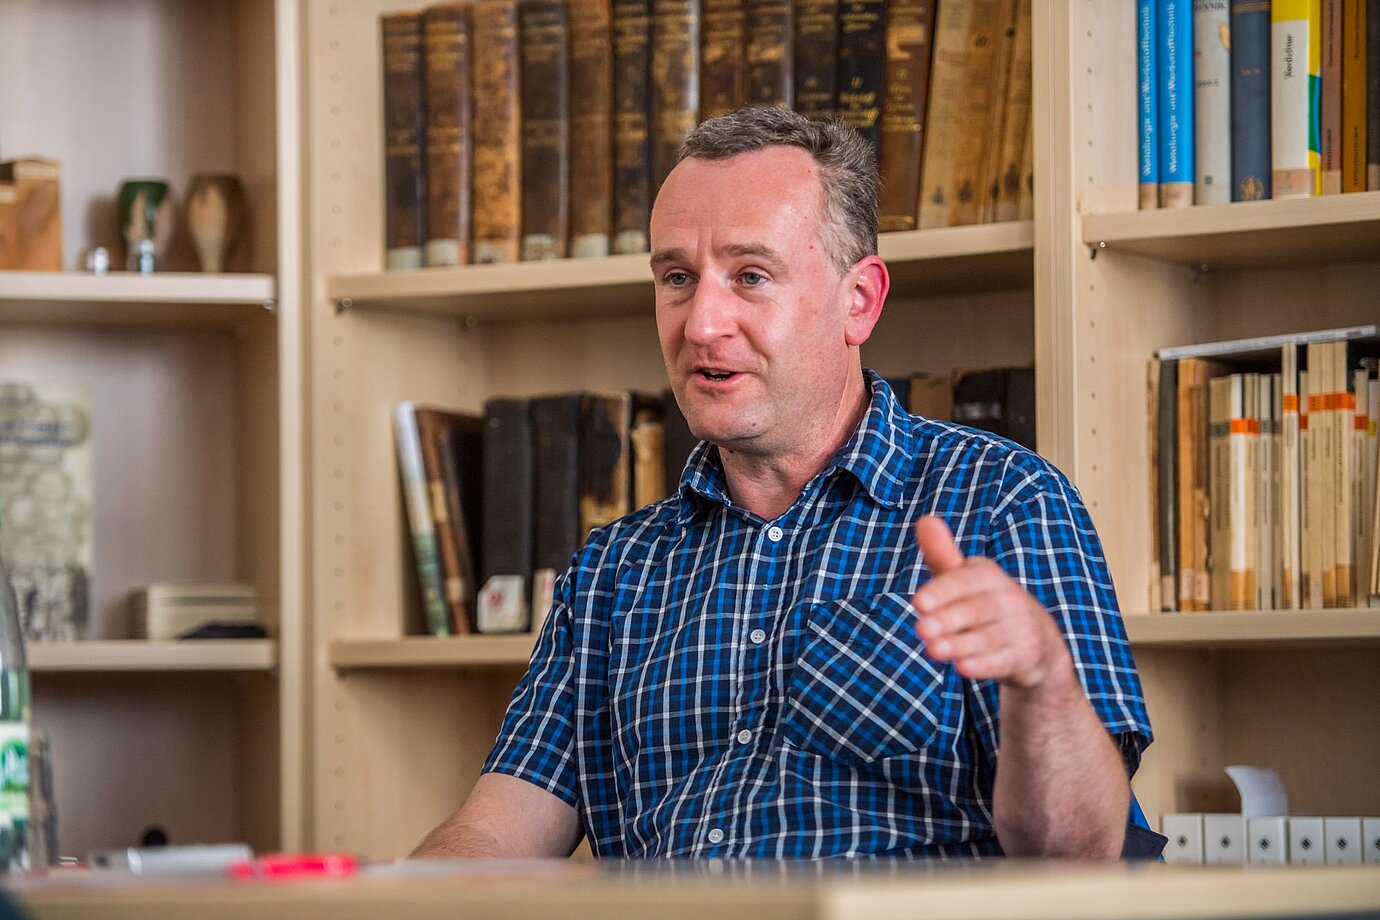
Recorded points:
(937, 546)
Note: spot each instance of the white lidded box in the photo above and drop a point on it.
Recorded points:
(167, 610)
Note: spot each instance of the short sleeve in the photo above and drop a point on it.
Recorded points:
(1047, 542)
(537, 740)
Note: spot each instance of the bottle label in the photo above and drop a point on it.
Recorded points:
(14, 771)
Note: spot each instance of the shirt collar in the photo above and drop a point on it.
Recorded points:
(878, 455)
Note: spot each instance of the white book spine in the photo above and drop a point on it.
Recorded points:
(1360, 493)
(1343, 403)
(1310, 551)
(1289, 475)
(1242, 590)
(1212, 102)
(1265, 480)
(1290, 106)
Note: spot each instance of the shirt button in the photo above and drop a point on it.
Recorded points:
(758, 636)
(744, 736)
(774, 533)
(716, 836)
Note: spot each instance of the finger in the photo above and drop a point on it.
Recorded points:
(970, 643)
(974, 611)
(977, 576)
(937, 547)
(998, 664)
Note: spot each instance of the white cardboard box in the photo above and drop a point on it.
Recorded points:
(1307, 842)
(1185, 833)
(1344, 843)
(1267, 840)
(1224, 840)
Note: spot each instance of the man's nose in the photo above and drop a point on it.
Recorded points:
(712, 312)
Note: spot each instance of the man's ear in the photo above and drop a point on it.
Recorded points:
(866, 295)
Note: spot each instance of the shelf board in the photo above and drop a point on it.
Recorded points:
(136, 655)
(982, 257)
(1247, 628)
(129, 299)
(432, 652)
(1292, 231)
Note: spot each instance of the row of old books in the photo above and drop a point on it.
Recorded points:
(537, 129)
(498, 504)
(1265, 473)
(1242, 100)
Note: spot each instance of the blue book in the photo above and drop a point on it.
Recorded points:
(1250, 100)
(1147, 81)
(1174, 31)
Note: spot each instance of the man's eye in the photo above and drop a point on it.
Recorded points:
(752, 279)
(677, 279)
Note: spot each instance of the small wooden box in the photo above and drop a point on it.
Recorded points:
(30, 215)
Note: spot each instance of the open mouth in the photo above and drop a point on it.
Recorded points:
(715, 374)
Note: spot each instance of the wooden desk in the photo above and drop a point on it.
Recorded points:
(713, 889)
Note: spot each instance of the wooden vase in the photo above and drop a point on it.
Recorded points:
(215, 213)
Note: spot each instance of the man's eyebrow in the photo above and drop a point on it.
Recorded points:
(662, 256)
(759, 250)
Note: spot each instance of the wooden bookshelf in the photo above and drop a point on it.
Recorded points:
(148, 656)
(1247, 234)
(432, 652)
(983, 257)
(128, 299)
(1254, 628)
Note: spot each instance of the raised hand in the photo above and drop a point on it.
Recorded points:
(973, 614)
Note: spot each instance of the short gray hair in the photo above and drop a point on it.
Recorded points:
(847, 167)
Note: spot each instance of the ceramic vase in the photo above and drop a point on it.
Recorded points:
(215, 215)
(146, 222)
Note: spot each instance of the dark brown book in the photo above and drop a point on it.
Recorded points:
(605, 467)
(909, 41)
(438, 432)
(723, 56)
(862, 57)
(591, 128)
(675, 80)
(770, 53)
(545, 129)
(446, 40)
(980, 107)
(557, 533)
(1330, 122)
(507, 524)
(816, 57)
(404, 126)
(632, 136)
(497, 138)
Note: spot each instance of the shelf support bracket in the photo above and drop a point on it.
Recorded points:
(1092, 250)
(343, 304)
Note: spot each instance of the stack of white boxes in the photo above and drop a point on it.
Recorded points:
(1222, 839)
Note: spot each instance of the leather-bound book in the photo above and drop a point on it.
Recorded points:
(944, 125)
(647, 447)
(462, 467)
(770, 53)
(988, 59)
(862, 57)
(545, 129)
(497, 138)
(675, 80)
(1006, 191)
(723, 56)
(605, 467)
(591, 128)
(446, 40)
(909, 41)
(632, 135)
(508, 488)
(816, 57)
(404, 125)
(443, 436)
(556, 425)
(1250, 100)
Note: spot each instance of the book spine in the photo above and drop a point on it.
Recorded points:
(989, 185)
(1250, 100)
(1148, 85)
(1373, 96)
(1212, 101)
(1310, 578)
(770, 53)
(723, 50)
(945, 129)
(591, 128)
(1354, 98)
(909, 30)
(1293, 111)
(507, 524)
(1290, 459)
(419, 519)
(462, 464)
(1167, 484)
(556, 422)
(985, 29)
(1343, 400)
(816, 57)
(1267, 490)
(632, 135)
(1026, 209)
(432, 428)
(675, 80)
(605, 469)
(1330, 113)
(404, 119)
(1221, 521)
(545, 32)
(1174, 29)
(1362, 477)
(497, 141)
(1007, 176)
(447, 92)
(862, 58)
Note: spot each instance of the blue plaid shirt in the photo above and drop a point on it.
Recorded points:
(713, 684)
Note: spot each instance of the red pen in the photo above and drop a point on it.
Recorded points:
(295, 865)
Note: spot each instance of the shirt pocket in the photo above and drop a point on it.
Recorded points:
(862, 688)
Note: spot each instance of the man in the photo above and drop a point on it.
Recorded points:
(795, 656)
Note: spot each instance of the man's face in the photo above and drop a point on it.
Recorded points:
(751, 310)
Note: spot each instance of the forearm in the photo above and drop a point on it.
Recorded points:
(461, 839)
(1061, 789)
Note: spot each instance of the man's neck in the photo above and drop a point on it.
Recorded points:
(767, 485)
